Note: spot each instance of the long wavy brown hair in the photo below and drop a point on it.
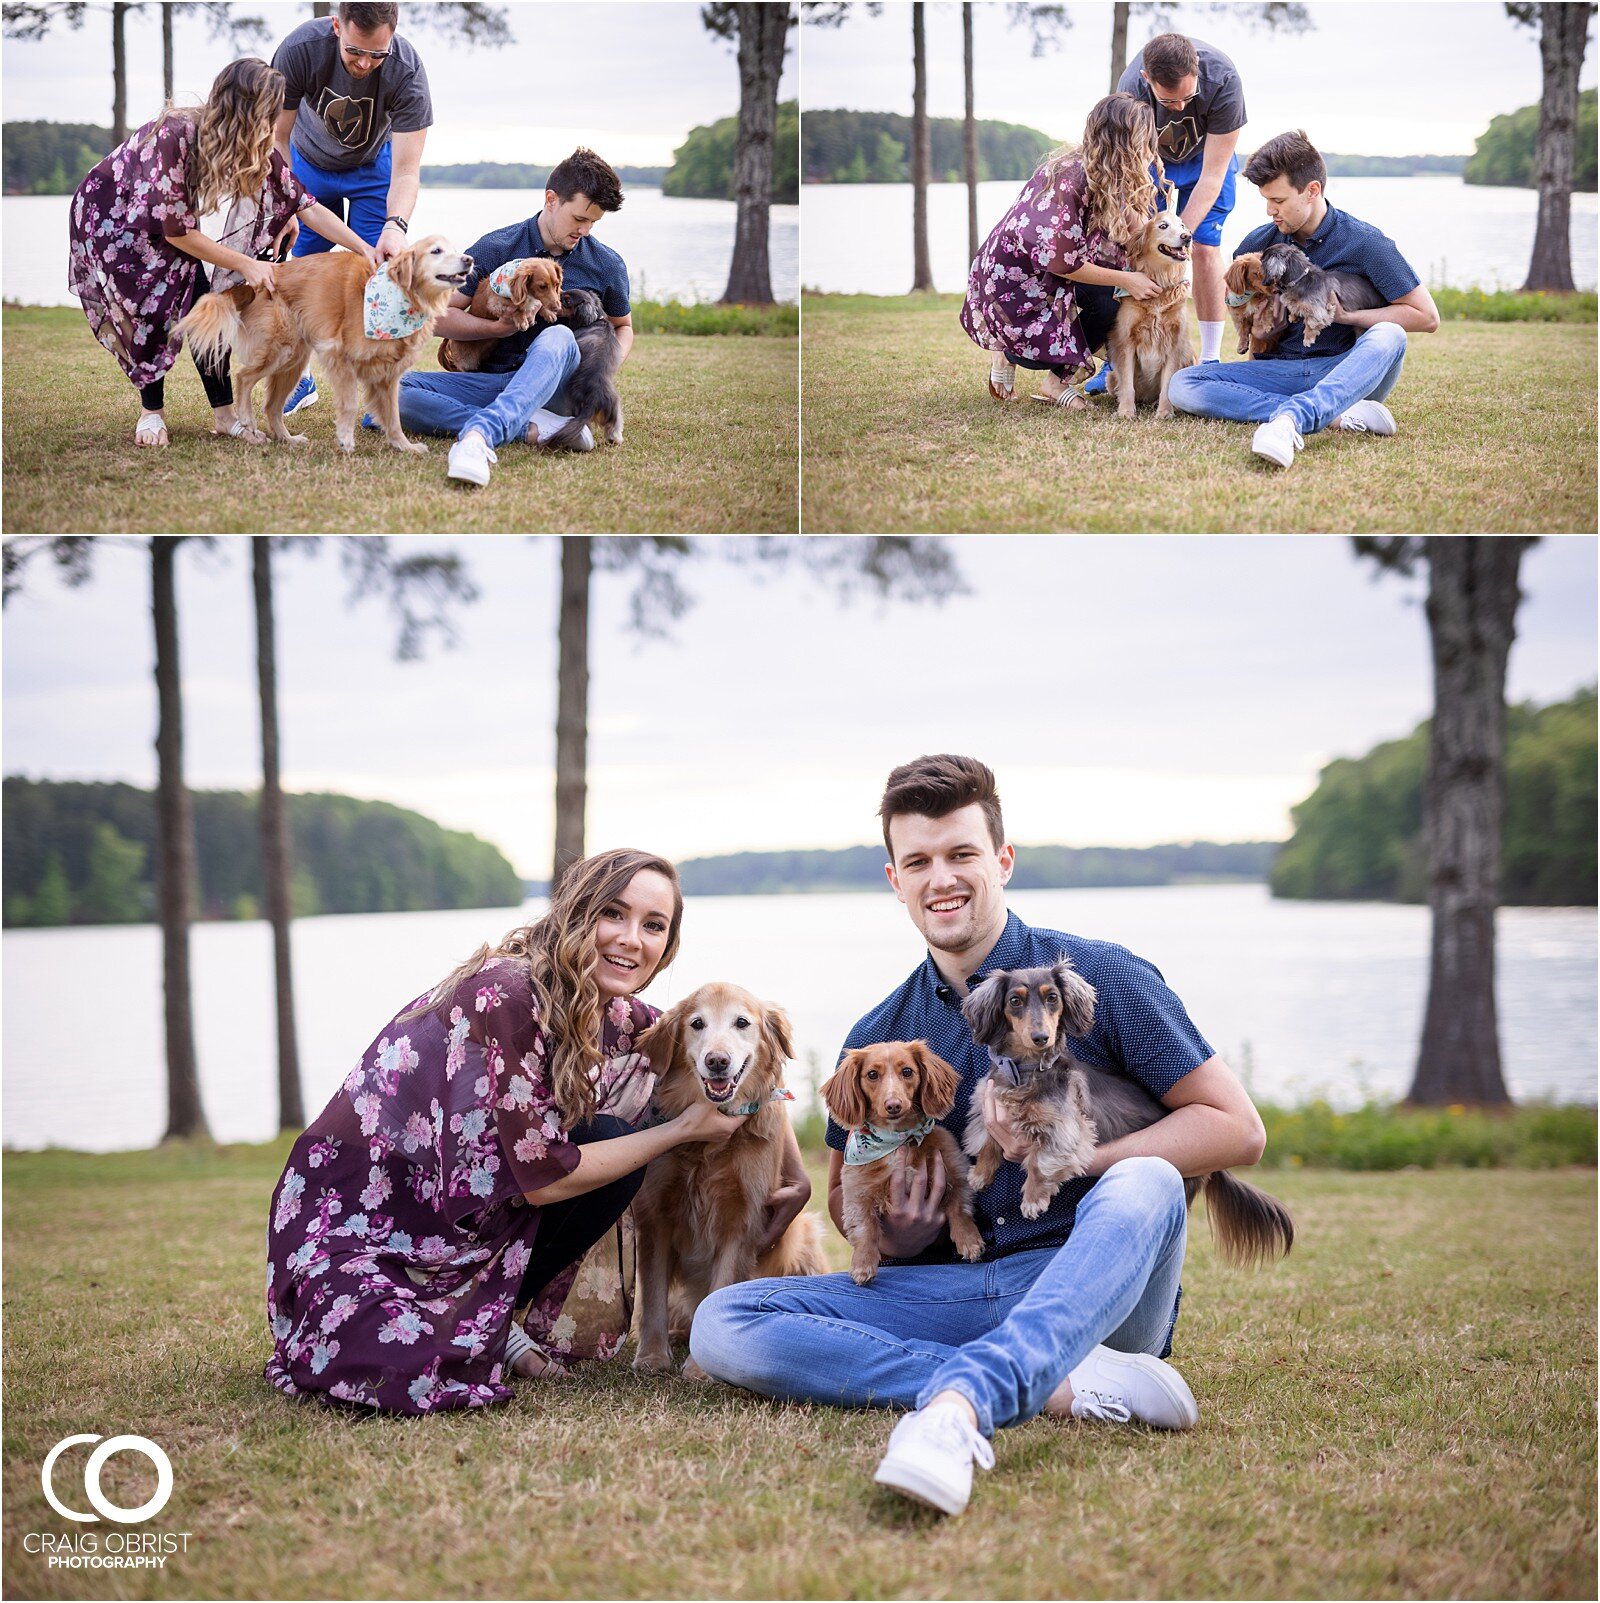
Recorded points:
(561, 952)
(1119, 145)
(233, 132)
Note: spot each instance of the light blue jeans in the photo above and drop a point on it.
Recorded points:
(1314, 390)
(499, 405)
(1003, 1334)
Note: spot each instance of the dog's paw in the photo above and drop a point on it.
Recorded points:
(1035, 1202)
(864, 1275)
(692, 1370)
(972, 1251)
(410, 447)
(652, 1362)
(296, 440)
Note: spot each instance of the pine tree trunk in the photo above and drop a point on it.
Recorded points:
(970, 136)
(1119, 44)
(763, 32)
(275, 840)
(1472, 608)
(119, 72)
(166, 55)
(1563, 29)
(176, 860)
(921, 153)
(572, 704)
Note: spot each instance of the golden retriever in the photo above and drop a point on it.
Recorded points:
(1150, 341)
(702, 1208)
(534, 284)
(888, 1096)
(316, 309)
(1257, 313)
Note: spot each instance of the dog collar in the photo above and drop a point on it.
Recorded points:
(500, 278)
(386, 313)
(1005, 1069)
(779, 1094)
(869, 1143)
(1241, 300)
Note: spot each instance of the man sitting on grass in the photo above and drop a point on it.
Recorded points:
(1340, 381)
(511, 396)
(1069, 1314)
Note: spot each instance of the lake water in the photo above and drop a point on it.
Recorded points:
(675, 249)
(1303, 998)
(1469, 236)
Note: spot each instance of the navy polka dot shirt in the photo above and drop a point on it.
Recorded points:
(1140, 1029)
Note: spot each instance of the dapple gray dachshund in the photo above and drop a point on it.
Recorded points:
(1311, 293)
(1065, 1108)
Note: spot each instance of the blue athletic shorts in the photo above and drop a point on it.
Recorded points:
(363, 190)
(1186, 175)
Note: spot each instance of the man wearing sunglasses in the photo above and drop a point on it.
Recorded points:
(356, 113)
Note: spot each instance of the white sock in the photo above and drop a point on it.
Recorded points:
(1211, 341)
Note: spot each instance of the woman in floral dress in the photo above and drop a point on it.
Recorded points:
(1042, 290)
(136, 245)
(474, 1155)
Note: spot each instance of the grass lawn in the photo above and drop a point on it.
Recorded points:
(711, 431)
(1405, 1408)
(1497, 434)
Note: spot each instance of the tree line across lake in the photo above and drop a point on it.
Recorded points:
(85, 854)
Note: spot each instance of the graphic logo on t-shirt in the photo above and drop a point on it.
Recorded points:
(349, 121)
(1178, 139)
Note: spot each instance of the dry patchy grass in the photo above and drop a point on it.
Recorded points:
(1497, 434)
(1405, 1408)
(711, 446)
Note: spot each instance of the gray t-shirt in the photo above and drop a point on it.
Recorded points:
(343, 122)
(1217, 107)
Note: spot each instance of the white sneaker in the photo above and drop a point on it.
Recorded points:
(1278, 440)
(470, 457)
(930, 1457)
(1368, 417)
(1132, 1386)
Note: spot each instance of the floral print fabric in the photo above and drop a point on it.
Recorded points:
(399, 1231)
(134, 283)
(1017, 300)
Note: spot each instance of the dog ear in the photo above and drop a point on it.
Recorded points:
(939, 1081)
(843, 1095)
(1077, 999)
(558, 272)
(403, 268)
(662, 1042)
(777, 1034)
(984, 1009)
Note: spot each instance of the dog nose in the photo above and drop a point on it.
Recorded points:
(1041, 1039)
(467, 259)
(894, 1109)
(717, 1061)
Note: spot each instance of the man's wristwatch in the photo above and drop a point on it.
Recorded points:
(398, 221)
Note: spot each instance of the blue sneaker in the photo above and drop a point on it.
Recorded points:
(368, 421)
(1097, 385)
(303, 394)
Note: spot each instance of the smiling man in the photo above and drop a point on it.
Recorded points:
(1070, 1314)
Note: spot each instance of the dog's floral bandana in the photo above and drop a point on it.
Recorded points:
(779, 1094)
(386, 311)
(500, 278)
(869, 1143)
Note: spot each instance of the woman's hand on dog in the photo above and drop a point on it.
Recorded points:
(258, 275)
(701, 1121)
(783, 1206)
(1141, 286)
(914, 1218)
(1013, 1146)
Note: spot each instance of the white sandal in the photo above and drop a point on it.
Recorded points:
(1002, 377)
(518, 1344)
(150, 431)
(235, 431)
(1071, 399)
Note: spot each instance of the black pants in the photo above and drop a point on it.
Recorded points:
(1097, 311)
(569, 1229)
(219, 386)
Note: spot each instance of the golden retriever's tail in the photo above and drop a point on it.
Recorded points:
(1249, 1226)
(213, 323)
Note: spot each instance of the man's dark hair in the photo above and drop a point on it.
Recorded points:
(369, 18)
(1169, 58)
(584, 173)
(937, 786)
(1290, 156)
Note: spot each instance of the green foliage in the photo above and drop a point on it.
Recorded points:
(83, 854)
(853, 147)
(1038, 868)
(702, 166)
(1386, 1135)
(522, 175)
(1384, 166)
(50, 158)
(1359, 834)
(780, 321)
(1504, 153)
(1513, 306)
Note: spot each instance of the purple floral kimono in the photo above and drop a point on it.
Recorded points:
(1017, 300)
(133, 281)
(399, 1231)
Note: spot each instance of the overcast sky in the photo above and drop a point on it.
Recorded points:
(629, 79)
(1403, 77)
(1127, 690)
